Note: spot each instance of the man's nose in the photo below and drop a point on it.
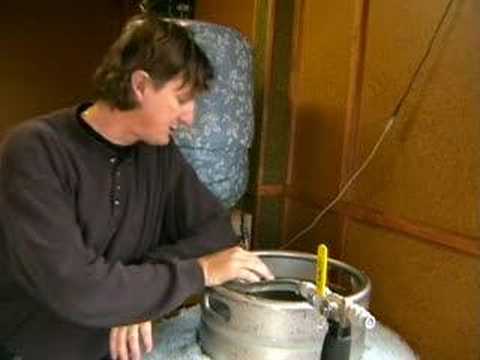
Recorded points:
(187, 114)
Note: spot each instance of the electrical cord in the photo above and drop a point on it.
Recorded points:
(391, 120)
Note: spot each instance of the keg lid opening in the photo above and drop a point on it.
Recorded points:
(283, 289)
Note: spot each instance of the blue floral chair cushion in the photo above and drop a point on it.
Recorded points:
(217, 144)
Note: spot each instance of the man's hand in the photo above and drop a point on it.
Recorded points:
(125, 342)
(233, 263)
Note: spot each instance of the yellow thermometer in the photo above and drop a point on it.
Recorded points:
(322, 263)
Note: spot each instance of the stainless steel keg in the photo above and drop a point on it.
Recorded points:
(270, 320)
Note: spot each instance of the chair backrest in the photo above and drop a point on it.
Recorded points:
(217, 145)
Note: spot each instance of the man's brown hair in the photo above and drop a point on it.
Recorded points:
(161, 48)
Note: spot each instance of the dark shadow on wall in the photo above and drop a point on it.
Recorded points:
(50, 50)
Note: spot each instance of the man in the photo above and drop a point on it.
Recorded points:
(103, 225)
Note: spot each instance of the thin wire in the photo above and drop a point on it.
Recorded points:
(387, 128)
(347, 185)
(424, 58)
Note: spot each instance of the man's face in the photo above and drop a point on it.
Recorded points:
(162, 110)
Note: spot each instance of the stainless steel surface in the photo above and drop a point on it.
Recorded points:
(270, 320)
(334, 306)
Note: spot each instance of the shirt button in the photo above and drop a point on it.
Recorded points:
(113, 160)
(117, 202)
(118, 187)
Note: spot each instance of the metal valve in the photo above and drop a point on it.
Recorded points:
(339, 313)
(334, 306)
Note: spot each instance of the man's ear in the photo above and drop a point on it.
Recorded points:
(140, 81)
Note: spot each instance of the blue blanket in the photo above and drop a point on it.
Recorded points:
(176, 338)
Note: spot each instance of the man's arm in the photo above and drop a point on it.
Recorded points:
(195, 222)
(199, 227)
(44, 253)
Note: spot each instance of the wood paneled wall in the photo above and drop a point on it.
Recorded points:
(411, 220)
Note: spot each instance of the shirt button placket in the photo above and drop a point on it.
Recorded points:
(116, 183)
(117, 192)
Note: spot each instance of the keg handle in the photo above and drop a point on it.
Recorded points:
(216, 307)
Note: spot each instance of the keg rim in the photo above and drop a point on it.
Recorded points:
(360, 296)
